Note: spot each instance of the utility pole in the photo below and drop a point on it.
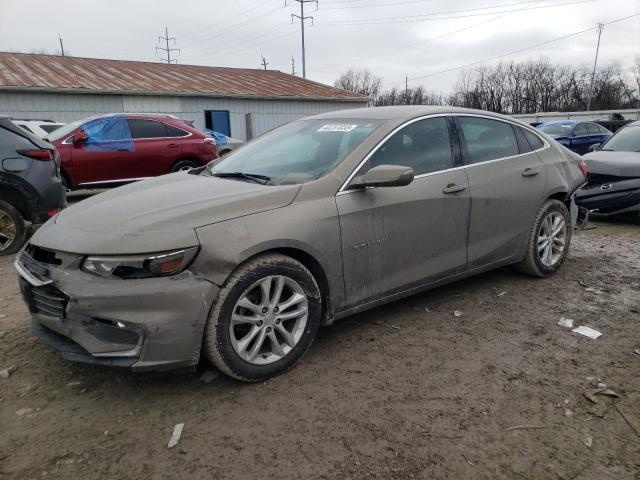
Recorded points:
(264, 62)
(406, 88)
(61, 45)
(302, 19)
(166, 38)
(595, 63)
(293, 65)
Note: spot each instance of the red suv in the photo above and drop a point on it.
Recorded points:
(120, 148)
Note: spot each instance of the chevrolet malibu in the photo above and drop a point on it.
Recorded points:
(244, 259)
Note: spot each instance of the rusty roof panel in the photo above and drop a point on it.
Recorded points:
(52, 72)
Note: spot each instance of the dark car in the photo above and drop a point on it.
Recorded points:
(30, 186)
(613, 186)
(576, 136)
(121, 148)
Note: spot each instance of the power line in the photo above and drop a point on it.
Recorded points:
(428, 17)
(302, 19)
(167, 49)
(531, 47)
(402, 2)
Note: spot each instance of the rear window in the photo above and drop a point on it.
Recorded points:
(50, 128)
(175, 132)
(488, 139)
(556, 128)
(533, 139)
(147, 128)
(25, 128)
(593, 129)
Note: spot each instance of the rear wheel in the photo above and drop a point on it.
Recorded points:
(13, 230)
(549, 240)
(184, 165)
(264, 319)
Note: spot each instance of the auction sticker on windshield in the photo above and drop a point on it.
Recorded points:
(337, 127)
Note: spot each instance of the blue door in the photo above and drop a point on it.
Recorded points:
(218, 121)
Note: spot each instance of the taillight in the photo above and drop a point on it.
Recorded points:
(37, 154)
(53, 211)
(583, 168)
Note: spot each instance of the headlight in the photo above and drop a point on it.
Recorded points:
(140, 266)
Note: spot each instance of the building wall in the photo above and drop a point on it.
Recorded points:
(265, 114)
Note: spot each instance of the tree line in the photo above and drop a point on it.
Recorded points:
(514, 87)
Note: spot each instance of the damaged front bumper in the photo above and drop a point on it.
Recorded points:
(145, 324)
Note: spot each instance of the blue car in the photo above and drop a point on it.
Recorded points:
(576, 136)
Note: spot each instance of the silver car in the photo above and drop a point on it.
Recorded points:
(330, 215)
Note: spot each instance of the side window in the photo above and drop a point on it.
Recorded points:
(533, 139)
(580, 129)
(146, 128)
(592, 129)
(175, 132)
(24, 127)
(424, 145)
(488, 139)
(603, 130)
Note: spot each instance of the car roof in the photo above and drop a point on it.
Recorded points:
(401, 112)
(560, 122)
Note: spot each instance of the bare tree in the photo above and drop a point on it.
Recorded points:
(360, 81)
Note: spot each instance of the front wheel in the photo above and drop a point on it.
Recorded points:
(264, 319)
(13, 230)
(549, 240)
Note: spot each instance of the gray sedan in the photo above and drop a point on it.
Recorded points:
(314, 221)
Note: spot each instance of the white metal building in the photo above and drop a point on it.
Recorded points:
(241, 103)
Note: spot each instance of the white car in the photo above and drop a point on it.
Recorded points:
(40, 128)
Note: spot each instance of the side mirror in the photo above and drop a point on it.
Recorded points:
(384, 176)
(595, 147)
(80, 137)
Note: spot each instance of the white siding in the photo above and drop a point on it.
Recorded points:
(66, 107)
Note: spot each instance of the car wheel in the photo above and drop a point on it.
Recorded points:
(184, 165)
(549, 240)
(264, 319)
(13, 230)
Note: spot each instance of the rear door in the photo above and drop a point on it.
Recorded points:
(395, 238)
(507, 185)
(155, 151)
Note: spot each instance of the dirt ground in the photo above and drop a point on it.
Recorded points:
(407, 390)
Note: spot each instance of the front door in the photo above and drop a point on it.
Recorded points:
(154, 150)
(507, 184)
(395, 238)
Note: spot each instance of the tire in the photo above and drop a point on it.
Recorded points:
(13, 231)
(549, 260)
(65, 182)
(183, 165)
(223, 339)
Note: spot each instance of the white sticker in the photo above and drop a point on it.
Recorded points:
(337, 127)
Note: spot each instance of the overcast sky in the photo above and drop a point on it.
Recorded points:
(392, 38)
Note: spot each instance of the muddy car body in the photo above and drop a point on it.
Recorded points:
(314, 221)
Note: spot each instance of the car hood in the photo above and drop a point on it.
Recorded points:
(157, 214)
(617, 164)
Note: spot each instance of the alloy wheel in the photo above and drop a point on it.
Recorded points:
(268, 320)
(7, 230)
(552, 238)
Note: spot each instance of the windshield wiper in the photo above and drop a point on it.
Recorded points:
(261, 179)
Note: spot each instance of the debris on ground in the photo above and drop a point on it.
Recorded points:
(74, 384)
(209, 376)
(175, 436)
(6, 373)
(608, 392)
(565, 322)
(2, 315)
(526, 427)
(457, 313)
(24, 411)
(588, 441)
(595, 291)
(501, 294)
(587, 332)
(637, 351)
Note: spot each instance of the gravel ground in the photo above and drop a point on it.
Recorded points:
(407, 390)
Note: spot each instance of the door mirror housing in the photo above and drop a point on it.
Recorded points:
(80, 137)
(595, 147)
(384, 176)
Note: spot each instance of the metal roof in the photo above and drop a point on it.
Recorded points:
(53, 73)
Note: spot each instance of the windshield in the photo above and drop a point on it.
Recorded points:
(626, 140)
(556, 129)
(58, 133)
(297, 152)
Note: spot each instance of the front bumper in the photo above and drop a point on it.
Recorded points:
(146, 324)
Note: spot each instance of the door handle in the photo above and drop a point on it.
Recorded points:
(172, 145)
(530, 172)
(453, 188)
